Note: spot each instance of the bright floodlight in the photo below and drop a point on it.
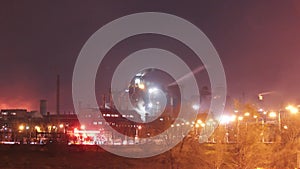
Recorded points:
(225, 119)
(21, 127)
(38, 129)
(292, 109)
(240, 118)
(272, 114)
(247, 114)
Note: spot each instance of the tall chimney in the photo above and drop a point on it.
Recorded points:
(43, 107)
(57, 95)
(103, 101)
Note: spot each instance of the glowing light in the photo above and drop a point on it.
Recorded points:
(225, 119)
(285, 127)
(292, 109)
(37, 128)
(61, 126)
(233, 118)
(196, 107)
(82, 127)
(21, 127)
(141, 86)
(272, 114)
(240, 118)
(247, 114)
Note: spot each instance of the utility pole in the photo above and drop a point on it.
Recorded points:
(57, 94)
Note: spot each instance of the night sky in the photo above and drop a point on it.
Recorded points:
(258, 43)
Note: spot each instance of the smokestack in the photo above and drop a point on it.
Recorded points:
(57, 95)
(103, 101)
(43, 107)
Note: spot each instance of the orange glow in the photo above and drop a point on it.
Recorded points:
(21, 127)
(12, 105)
(272, 114)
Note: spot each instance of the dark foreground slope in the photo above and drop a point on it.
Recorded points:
(70, 157)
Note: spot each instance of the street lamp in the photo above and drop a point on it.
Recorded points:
(292, 109)
(197, 126)
(272, 114)
(37, 128)
(247, 114)
(240, 118)
(137, 133)
(21, 127)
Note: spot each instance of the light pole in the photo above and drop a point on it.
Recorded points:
(137, 133)
(239, 119)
